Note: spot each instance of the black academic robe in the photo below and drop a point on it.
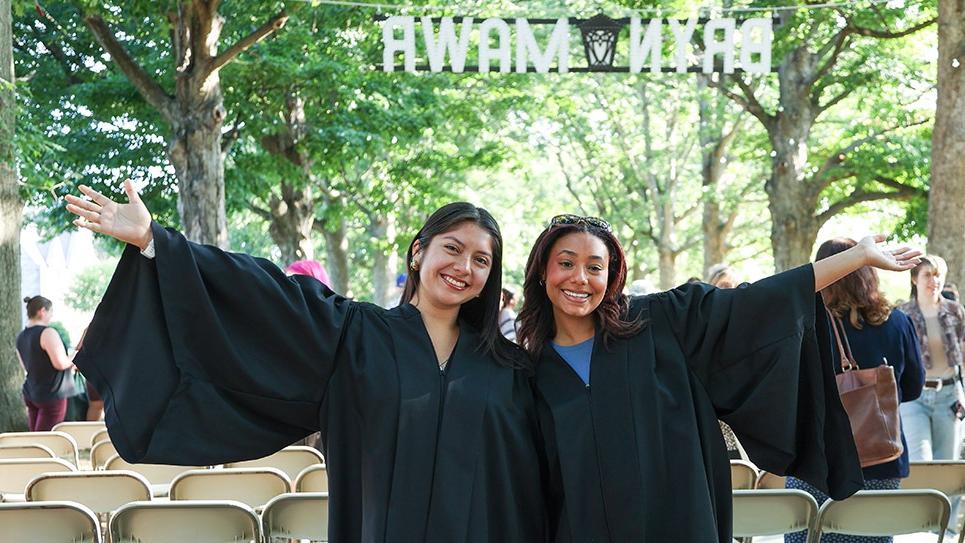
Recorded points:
(638, 455)
(206, 357)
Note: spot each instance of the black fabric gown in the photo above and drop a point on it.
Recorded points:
(638, 455)
(204, 357)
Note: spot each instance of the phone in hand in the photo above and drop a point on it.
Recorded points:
(958, 410)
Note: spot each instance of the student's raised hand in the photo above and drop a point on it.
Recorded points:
(130, 222)
(898, 259)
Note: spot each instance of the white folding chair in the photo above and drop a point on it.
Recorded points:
(302, 515)
(772, 512)
(101, 452)
(312, 479)
(292, 460)
(884, 513)
(100, 491)
(62, 444)
(253, 487)
(82, 432)
(26, 451)
(99, 436)
(181, 521)
(769, 481)
(159, 475)
(945, 476)
(48, 522)
(743, 475)
(15, 474)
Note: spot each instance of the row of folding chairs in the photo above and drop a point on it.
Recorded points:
(304, 516)
(945, 476)
(868, 513)
(19, 476)
(287, 516)
(64, 445)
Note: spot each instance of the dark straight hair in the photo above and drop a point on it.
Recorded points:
(481, 312)
(35, 304)
(536, 321)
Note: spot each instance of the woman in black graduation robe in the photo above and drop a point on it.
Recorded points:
(637, 454)
(206, 357)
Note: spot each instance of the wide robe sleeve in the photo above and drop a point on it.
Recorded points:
(204, 357)
(762, 353)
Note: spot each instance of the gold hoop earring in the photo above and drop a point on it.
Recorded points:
(414, 266)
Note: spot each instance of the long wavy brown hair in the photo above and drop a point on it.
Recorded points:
(855, 295)
(536, 324)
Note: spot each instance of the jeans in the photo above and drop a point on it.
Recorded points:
(932, 431)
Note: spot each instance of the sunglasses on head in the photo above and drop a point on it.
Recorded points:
(577, 219)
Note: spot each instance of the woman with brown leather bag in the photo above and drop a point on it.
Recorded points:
(875, 335)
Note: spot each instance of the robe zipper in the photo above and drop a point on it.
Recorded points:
(599, 469)
(442, 405)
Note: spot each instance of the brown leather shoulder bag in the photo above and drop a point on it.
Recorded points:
(870, 397)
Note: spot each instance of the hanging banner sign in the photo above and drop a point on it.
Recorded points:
(452, 44)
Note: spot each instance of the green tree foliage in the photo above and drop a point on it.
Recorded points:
(847, 85)
(89, 286)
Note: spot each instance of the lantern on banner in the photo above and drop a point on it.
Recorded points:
(600, 41)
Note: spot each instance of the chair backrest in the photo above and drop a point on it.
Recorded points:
(884, 513)
(292, 460)
(49, 522)
(945, 476)
(302, 515)
(26, 451)
(180, 521)
(743, 475)
(769, 481)
(101, 452)
(15, 474)
(253, 487)
(312, 479)
(82, 432)
(62, 444)
(99, 436)
(772, 512)
(157, 474)
(101, 491)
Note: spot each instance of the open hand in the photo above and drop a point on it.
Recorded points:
(130, 222)
(899, 259)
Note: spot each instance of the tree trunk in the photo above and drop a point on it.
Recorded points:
(384, 262)
(12, 412)
(292, 218)
(946, 221)
(195, 152)
(667, 267)
(793, 223)
(336, 256)
(196, 112)
(714, 145)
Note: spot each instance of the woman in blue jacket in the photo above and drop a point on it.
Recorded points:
(876, 334)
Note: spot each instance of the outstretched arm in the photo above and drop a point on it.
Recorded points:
(866, 253)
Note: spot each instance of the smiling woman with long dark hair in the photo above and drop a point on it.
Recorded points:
(630, 389)
(426, 412)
